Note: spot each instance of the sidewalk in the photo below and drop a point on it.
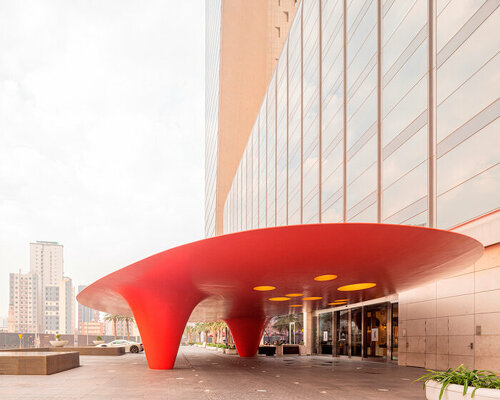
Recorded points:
(203, 374)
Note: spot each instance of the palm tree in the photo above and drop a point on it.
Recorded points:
(128, 320)
(114, 318)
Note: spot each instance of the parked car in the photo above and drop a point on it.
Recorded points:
(130, 347)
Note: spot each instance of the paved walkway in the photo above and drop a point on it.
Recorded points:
(203, 374)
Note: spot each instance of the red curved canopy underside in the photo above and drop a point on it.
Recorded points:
(216, 276)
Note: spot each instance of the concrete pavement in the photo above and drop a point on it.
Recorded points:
(204, 374)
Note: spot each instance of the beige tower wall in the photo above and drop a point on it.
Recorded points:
(252, 36)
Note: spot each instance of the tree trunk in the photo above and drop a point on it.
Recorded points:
(114, 328)
(128, 330)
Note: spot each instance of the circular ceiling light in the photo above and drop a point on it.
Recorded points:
(356, 286)
(322, 278)
(313, 298)
(263, 288)
(337, 303)
(294, 295)
(279, 298)
(296, 305)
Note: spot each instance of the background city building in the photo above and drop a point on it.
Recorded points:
(43, 300)
(86, 314)
(375, 111)
(23, 302)
(91, 328)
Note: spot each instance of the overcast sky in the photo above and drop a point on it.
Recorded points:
(101, 131)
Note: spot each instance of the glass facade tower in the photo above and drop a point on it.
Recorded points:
(376, 112)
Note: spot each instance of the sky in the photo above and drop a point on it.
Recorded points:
(101, 131)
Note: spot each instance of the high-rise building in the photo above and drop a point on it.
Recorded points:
(86, 314)
(374, 111)
(240, 60)
(23, 302)
(66, 306)
(46, 261)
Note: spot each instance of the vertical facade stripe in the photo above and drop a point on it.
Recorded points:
(344, 111)
(320, 109)
(431, 109)
(379, 110)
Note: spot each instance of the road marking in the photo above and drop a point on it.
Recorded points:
(296, 383)
(383, 390)
(261, 390)
(179, 378)
(323, 392)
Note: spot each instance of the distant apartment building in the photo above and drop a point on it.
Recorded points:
(23, 304)
(43, 300)
(66, 306)
(94, 328)
(46, 261)
(85, 314)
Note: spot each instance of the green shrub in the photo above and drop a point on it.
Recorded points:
(98, 338)
(462, 376)
(58, 337)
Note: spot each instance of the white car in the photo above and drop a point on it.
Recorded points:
(130, 347)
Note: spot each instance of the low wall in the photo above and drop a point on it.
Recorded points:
(37, 363)
(83, 350)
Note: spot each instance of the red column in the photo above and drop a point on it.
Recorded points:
(161, 316)
(247, 333)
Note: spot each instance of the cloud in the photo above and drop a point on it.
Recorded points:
(101, 131)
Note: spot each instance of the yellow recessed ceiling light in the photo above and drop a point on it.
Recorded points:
(313, 298)
(263, 288)
(356, 286)
(323, 278)
(341, 303)
(294, 295)
(279, 298)
(296, 305)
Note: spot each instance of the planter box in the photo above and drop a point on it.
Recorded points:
(97, 342)
(58, 343)
(279, 351)
(267, 350)
(455, 392)
(220, 349)
(37, 363)
(302, 350)
(232, 352)
(211, 348)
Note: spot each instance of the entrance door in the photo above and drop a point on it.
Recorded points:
(376, 331)
(325, 333)
(342, 330)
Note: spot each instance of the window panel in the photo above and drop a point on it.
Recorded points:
(475, 197)
(404, 159)
(468, 159)
(469, 57)
(362, 186)
(473, 96)
(405, 191)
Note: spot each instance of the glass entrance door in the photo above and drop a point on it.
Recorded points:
(376, 331)
(342, 330)
(325, 333)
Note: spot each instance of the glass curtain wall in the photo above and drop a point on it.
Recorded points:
(343, 133)
(468, 106)
(281, 139)
(332, 106)
(361, 111)
(310, 101)
(295, 121)
(212, 66)
(404, 111)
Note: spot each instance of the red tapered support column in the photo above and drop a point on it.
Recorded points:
(247, 333)
(161, 316)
